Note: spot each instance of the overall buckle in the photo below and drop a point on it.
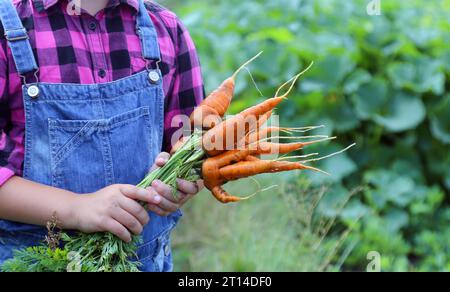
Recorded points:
(23, 36)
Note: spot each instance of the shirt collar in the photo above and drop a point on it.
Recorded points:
(42, 5)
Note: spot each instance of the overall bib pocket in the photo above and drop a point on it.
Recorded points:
(79, 148)
(156, 255)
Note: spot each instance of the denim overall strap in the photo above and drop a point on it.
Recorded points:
(17, 38)
(147, 33)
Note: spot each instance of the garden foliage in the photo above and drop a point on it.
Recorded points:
(380, 81)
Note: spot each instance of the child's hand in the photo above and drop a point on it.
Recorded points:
(168, 204)
(114, 209)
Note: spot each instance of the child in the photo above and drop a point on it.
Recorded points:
(87, 93)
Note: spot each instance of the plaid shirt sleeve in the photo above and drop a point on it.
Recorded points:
(187, 89)
(8, 146)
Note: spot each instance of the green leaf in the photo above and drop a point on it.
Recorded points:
(387, 186)
(427, 200)
(286, 67)
(370, 98)
(327, 74)
(355, 80)
(401, 74)
(420, 75)
(396, 219)
(447, 179)
(354, 210)
(404, 112)
(440, 121)
(345, 119)
(429, 76)
(400, 191)
(278, 34)
(333, 201)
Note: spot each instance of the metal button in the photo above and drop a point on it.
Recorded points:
(167, 250)
(92, 26)
(33, 91)
(153, 76)
(102, 73)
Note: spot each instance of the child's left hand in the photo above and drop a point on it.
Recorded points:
(168, 204)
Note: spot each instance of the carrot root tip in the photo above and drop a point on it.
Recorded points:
(259, 192)
(245, 65)
(319, 141)
(297, 156)
(307, 167)
(331, 155)
(292, 81)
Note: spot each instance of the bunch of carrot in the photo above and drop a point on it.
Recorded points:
(233, 146)
(218, 151)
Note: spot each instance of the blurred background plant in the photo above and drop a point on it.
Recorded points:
(261, 234)
(380, 81)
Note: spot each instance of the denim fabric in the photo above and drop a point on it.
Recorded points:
(14, 31)
(85, 137)
(10, 241)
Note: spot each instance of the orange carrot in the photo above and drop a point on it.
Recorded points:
(251, 158)
(215, 176)
(230, 157)
(205, 116)
(222, 196)
(262, 134)
(261, 148)
(211, 176)
(255, 130)
(210, 112)
(250, 168)
(215, 140)
(226, 135)
(264, 118)
(211, 166)
(266, 132)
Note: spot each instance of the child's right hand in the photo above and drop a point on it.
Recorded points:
(113, 209)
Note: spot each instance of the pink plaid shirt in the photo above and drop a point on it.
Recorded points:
(85, 49)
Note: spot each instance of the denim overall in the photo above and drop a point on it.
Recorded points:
(85, 137)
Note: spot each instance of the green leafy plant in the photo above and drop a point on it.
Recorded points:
(38, 259)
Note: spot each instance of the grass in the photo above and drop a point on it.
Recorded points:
(274, 231)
